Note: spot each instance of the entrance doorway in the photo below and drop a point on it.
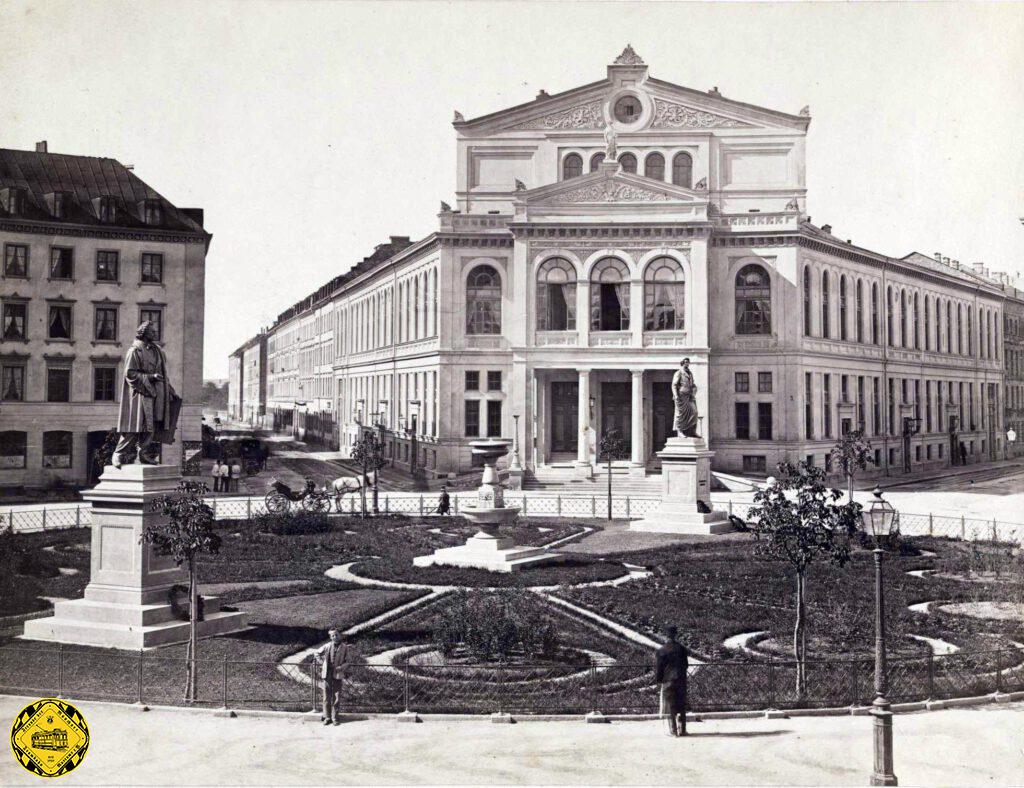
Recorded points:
(662, 414)
(617, 411)
(564, 416)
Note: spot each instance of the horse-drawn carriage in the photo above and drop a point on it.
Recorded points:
(281, 497)
(251, 452)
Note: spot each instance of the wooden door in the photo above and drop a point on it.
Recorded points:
(564, 416)
(617, 412)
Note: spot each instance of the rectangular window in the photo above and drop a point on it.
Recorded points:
(878, 457)
(472, 418)
(764, 421)
(103, 379)
(58, 384)
(12, 449)
(59, 322)
(14, 321)
(764, 382)
(844, 388)
(754, 464)
(152, 268)
(107, 267)
(808, 406)
(62, 263)
(12, 383)
(892, 406)
(826, 405)
(472, 381)
(16, 260)
(156, 317)
(106, 324)
(809, 460)
(876, 407)
(743, 420)
(494, 380)
(57, 449)
(494, 418)
(742, 382)
(860, 402)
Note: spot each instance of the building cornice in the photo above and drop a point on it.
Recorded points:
(113, 233)
(629, 231)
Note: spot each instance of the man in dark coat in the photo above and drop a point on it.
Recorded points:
(333, 659)
(670, 665)
(149, 407)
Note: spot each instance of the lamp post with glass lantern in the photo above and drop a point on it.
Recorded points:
(881, 520)
(376, 421)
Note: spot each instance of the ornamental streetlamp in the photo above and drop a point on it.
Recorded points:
(881, 520)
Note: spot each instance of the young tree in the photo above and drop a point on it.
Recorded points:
(611, 447)
(369, 453)
(185, 534)
(797, 521)
(853, 453)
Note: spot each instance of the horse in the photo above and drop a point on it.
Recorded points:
(351, 484)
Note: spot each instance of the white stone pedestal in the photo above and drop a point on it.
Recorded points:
(125, 603)
(484, 551)
(686, 475)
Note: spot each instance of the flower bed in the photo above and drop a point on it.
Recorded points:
(569, 572)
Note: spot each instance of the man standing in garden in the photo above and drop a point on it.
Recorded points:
(670, 665)
(333, 660)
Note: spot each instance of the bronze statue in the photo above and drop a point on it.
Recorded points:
(684, 394)
(149, 405)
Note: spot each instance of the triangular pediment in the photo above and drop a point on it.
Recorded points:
(606, 187)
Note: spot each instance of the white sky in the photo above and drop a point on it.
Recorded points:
(309, 132)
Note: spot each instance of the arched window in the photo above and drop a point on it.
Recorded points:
(927, 323)
(664, 295)
(483, 301)
(860, 311)
(654, 166)
(904, 334)
(970, 331)
(416, 307)
(917, 324)
(628, 162)
(609, 295)
(596, 159)
(842, 308)
(826, 329)
(888, 316)
(960, 329)
(556, 296)
(874, 313)
(949, 327)
(807, 301)
(572, 166)
(682, 170)
(753, 301)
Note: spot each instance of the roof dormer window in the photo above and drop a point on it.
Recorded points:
(13, 200)
(58, 203)
(106, 209)
(152, 212)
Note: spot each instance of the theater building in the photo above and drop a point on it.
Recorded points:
(89, 252)
(559, 294)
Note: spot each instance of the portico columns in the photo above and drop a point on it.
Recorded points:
(637, 419)
(583, 443)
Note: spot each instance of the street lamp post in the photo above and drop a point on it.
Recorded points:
(882, 521)
(414, 409)
(375, 455)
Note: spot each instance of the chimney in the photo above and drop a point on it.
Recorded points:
(826, 228)
(979, 268)
(938, 257)
(41, 147)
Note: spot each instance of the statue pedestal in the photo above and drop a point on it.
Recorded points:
(686, 476)
(125, 604)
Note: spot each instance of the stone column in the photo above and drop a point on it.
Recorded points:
(583, 445)
(638, 455)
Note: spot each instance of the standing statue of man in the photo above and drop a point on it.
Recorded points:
(610, 144)
(684, 395)
(149, 406)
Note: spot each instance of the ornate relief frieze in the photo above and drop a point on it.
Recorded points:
(665, 339)
(606, 235)
(611, 192)
(557, 338)
(611, 339)
(753, 220)
(586, 116)
(675, 116)
(153, 236)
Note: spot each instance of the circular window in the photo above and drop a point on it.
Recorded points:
(628, 109)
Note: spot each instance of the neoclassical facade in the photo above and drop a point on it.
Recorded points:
(603, 234)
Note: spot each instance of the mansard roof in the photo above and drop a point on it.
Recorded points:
(575, 108)
(85, 179)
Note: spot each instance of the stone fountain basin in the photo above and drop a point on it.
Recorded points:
(493, 516)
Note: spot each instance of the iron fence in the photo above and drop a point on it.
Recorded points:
(617, 688)
(531, 504)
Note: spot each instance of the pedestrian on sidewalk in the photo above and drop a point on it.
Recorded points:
(225, 475)
(236, 473)
(444, 503)
(215, 473)
(670, 666)
(333, 660)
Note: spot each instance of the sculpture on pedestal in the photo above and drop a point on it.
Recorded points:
(610, 144)
(149, 406)
(684, 395)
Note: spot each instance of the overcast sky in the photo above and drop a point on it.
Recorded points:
(311, 132)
